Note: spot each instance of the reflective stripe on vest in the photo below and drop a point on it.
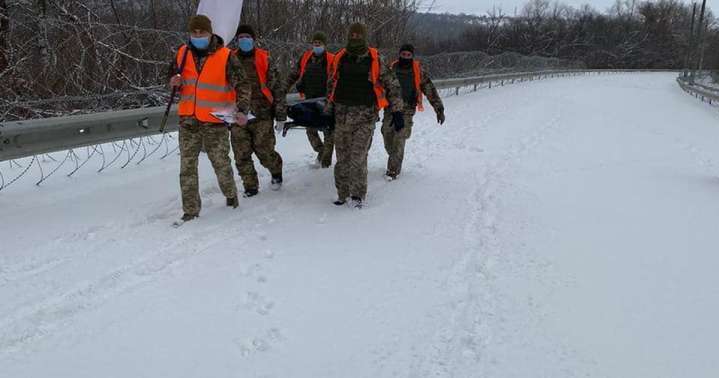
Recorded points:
(262, 65)
(206, 91)
(374, 77)
(306, 58)
(417, 72)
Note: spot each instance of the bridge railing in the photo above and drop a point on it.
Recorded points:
(703, 92)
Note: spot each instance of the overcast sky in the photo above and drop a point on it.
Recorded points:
(481, 7)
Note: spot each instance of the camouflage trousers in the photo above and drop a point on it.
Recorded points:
(394, 141)
(324, 149)
(193, 135)
(257, 137)
(354, 126)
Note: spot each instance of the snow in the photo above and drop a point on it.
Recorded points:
(560, 228)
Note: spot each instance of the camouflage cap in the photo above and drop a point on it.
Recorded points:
(320, 36)
(200, 22)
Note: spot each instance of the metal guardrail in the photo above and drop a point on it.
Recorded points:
(703, 92)
(20, 139)
(28, 138)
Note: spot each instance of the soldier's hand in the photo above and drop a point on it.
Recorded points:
(175, 81)
(240, 118)
(279, 126)
(327, 110)
(440, 117)
(397, 121)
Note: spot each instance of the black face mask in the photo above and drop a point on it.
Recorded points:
(405, 63)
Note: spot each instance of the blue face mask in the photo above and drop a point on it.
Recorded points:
(318, 50)
(201, 43)
(247, 44)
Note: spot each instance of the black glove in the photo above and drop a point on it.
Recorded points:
(440, 116)
(397, 121)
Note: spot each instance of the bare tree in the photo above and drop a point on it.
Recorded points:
(4, 35)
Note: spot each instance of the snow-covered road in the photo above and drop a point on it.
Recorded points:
(561, 228)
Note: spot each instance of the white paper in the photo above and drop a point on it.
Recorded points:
(225, 16)
(228, 115)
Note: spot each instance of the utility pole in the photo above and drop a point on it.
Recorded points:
(703, 26)
(688, 61)
(700, 39)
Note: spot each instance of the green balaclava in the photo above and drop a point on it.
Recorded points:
(357, 46)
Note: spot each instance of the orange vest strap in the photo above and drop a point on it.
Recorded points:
(262, 65)
(417, 76)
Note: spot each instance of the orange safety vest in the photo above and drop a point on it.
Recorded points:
(306, 58)
(417, 70)
(374, 77)
(262, 65)
(208, 90)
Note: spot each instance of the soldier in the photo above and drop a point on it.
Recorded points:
(310, 77)
(360, 85)
(267, 103)
(210, 78)
(415, 82)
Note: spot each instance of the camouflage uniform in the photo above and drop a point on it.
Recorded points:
(354, 126)
(258, 135)
(394, 141)
(316, 89)
(195, 134)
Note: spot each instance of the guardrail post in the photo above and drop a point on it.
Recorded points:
(456, 91)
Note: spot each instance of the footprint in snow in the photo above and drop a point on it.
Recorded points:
(260, 343)
(269, 254)
(249, 270)
(255, 302)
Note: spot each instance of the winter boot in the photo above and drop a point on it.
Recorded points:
(233, 202)
(357, 202)
(276, 183)
(250, 193)
(188, 217)
(185, 218)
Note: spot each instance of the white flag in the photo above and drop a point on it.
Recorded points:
(224, 14)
